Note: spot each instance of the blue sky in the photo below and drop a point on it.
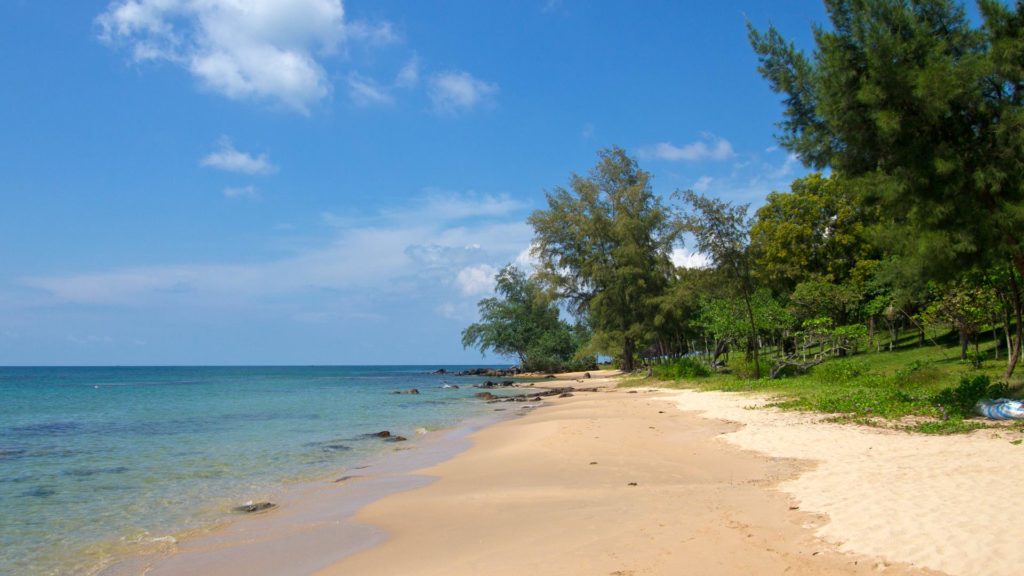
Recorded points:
(328, 182)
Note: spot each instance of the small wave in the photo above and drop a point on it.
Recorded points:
(48, 429)
(85, 472)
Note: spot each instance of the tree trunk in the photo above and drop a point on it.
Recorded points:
(1013, 345)
(753, 335)
(871, 331)
(964, 342)
(628, 349)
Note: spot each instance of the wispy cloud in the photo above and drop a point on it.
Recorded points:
(475, 280)
(454, 92)
(702, 184)
(409, 75)
(376, 33)
(442, 244)
(230, 159)
(241, 192)
(709, 147)
(366, 92)
(267, 50)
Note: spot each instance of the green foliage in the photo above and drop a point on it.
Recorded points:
(850, 338)
(681, 368)
(947, 427)
(604, 247)
(960, 400)
(817, 230)
(839, 371)
(921, 112)
(522, 323)
(722, 232)
(817, 298)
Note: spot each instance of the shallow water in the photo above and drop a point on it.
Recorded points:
(97, 463)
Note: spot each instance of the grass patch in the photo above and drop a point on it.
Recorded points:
(926, 384)
(946, 427)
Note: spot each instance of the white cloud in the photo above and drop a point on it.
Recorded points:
(526, 261)
(710, 147)
(687, 259)
(702, 184)
(476, 279)
(228, 158)
(240, 192)
(792, 161)
(588, 131)
(409, 75)
(409, 252)
(366, 92)
(454, 92)
(375, 33)
(268, 50)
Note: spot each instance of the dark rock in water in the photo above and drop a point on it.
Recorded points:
(492, 384)
(11, 452)
(397, 439)
(586, 374)
(85, 472)
(486, 396)
(440, 371)
(565, 395)
(409, 391)
(334, 447)
(550, 376)
(250, 507)
(39, 492)
(489, 372)
(381, 434)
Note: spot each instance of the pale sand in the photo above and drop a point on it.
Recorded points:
(550, 493)
(949, 503)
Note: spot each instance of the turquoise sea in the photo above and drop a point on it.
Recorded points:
(99, 463)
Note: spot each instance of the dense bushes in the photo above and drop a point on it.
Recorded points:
(680, 368)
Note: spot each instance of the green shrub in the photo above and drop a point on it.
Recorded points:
(685, 367)
(959, 400)
(838, 371)
(746, 370)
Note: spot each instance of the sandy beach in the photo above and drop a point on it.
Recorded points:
(651, 481)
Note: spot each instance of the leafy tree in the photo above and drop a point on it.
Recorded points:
(924, 112)
(522, 323)
(722, 231)
(818, 229)
(816, 298)
(968, 307)
(604, 246)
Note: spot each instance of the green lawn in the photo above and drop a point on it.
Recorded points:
(899, 389)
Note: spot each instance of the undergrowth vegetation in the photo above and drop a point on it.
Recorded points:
(921, 389)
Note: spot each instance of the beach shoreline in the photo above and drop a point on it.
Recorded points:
(631, 481)
(309, 526)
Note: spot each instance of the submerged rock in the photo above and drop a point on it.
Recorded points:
(381, 434)
(409, 391)
(397, 439)
(250, 507)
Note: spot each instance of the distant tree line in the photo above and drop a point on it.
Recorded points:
(913, 116)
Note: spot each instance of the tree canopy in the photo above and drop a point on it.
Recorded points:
(923, 112)
(522, 323)
(604, 245)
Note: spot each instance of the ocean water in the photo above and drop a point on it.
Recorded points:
(99, 463)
